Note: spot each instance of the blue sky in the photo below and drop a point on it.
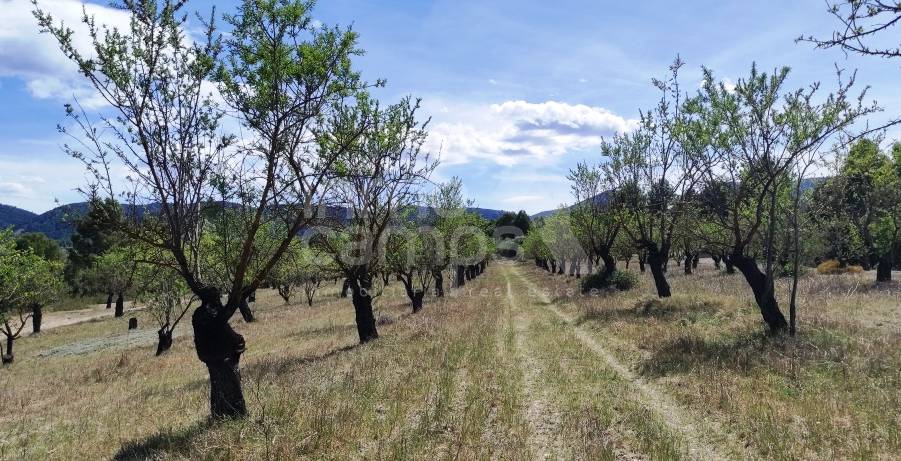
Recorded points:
(518, 91)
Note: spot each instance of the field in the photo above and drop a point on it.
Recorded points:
(515, 365)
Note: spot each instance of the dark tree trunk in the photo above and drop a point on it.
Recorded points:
(884, 269)
(244, 307)
(562, 267)
(716, 262)
(658, 265)
(687, 264)
(641, 265)
(37, 315)
(8, 356)
(609, 264)
(416, 298)
(695, 260)
(730, 268)
(165, 340)
(285, 292)
(460, 277)
(344, 287)
(219, 347)
(439, 283)
(361, 294)
(109, 301)
(120, 306)
(553, 266)
(763, 293)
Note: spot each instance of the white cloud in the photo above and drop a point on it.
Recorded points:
(492, 81)
(34, 57)
(14, 189)
(513, 132)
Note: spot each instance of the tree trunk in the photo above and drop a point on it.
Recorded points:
(590, 265)
(361, 293)
(439, 283)
(109, 301)
(219, 347)
(609, 264)
(246, 313)
(460, 277)
(884, 269)
(764, 297)
(344, 287)
(8, 356)
(657, 262)
(553, 266)
(416, 298)
(730, 268)
(285, 292)
(37, 315)
(165, 340)
(120, 306)
(716, 262)
(695, 260)
(687, 264)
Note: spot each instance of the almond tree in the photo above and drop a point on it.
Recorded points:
(592, 219)
(286, 83)
(408, 255)
(757, 131)
(378, 177)
(26, 280)
(652, 171)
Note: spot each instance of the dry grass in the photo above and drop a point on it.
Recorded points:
(830, 392)
(488, 373)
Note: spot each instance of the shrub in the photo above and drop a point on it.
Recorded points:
(623, 281)
(595, 281)
(619, 280)
(832, 266)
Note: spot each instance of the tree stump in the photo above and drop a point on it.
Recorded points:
(133, 323)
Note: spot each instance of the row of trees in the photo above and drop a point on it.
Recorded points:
(724, 172)
(28, 281)
(318, 156)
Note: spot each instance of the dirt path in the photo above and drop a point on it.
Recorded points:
(53, 320)
(540, 414)
(695, 433)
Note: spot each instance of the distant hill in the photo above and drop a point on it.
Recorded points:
(806, 185)
(600, 198)
(488, 213)
(58, 223)
(15, 217)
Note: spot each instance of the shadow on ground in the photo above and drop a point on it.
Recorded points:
(170, 442)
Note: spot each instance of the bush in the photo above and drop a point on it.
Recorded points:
(832, 267)
(623, 281)
(595, 281)
(618, 280)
